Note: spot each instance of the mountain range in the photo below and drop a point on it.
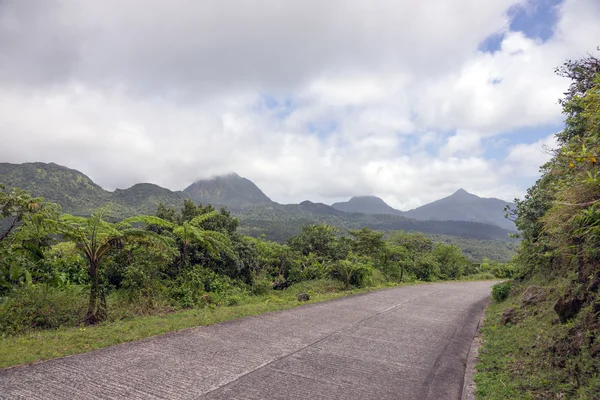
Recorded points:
(462, 214)
(460, 206)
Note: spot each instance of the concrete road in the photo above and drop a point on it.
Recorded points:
(402, 343)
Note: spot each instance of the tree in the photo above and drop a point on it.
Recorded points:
(450, 260)
(349, 269)
(191, 232)
(19, 209)
(318, 239)
(26, 224)
(95, 238)
(367, 242)
(419, 248)
(413, 242)
(398, 258)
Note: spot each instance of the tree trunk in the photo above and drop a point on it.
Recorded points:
(91, 317)
(347, 282)
(401, 273)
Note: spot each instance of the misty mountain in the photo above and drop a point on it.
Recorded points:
(464, 206)
(231, 191)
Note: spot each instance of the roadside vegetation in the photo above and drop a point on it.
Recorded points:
(70, 284)
(542, 330)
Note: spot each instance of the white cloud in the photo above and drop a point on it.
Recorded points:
(385, 98)
(526, 159)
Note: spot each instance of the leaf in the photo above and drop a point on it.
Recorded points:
(14, 272)
(28, 280)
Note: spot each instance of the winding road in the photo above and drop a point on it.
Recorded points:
(402, 343)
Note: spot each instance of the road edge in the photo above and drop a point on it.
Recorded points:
(468, 392)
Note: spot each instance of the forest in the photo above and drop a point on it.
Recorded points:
(59, 270)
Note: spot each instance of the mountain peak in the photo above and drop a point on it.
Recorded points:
(464, 206)
(365, 205)
(462, 193)
(230, 175)
(230, 190)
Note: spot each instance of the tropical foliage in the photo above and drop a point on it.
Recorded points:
(554, 302)
(59, 269)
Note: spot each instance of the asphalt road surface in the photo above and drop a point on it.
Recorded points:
(401, 343)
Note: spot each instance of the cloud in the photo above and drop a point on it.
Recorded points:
(526, 159)
(309, 99)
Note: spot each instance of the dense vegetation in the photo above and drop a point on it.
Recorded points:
(59, 270)
(543, 341)
(78, 195)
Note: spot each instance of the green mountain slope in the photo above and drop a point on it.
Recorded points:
(74, 191)
(144, 198)
(77, 194)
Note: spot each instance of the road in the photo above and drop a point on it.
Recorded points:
(402, 343)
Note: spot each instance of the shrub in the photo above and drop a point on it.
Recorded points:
(500, 291)
(42, 307)
(191, 285)
(503, 271)
(261, 286)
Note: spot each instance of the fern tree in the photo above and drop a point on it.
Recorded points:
(95, 238)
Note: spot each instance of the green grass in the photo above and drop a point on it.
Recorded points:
(47, 344)
(520, 361)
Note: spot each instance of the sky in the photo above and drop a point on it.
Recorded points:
(309, 99)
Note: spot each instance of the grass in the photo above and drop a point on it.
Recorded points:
(47, 344)
(522, 359)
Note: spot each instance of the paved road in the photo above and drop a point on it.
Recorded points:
(401, 343)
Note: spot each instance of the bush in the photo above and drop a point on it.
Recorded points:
(500, 291)
(261, 286)
(42, 307)
(503, 271)
(191, 285)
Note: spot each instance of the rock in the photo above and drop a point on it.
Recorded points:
(533, 294)
(303, 297)
(508, 316)
(567, 307)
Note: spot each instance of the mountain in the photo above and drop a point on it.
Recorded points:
(258, 215)
(366, 205)
(74, 191)
(230, 190)
(464, 206)
(77, 194)
(460, 206)
(144, 198)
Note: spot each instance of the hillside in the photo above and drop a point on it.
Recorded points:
(144, 198)
(464, 206)
(460, 206)
(74, 191)
(231, 191)
(77, 194)
(366, 205)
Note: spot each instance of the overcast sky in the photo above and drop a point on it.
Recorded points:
(321, 100)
